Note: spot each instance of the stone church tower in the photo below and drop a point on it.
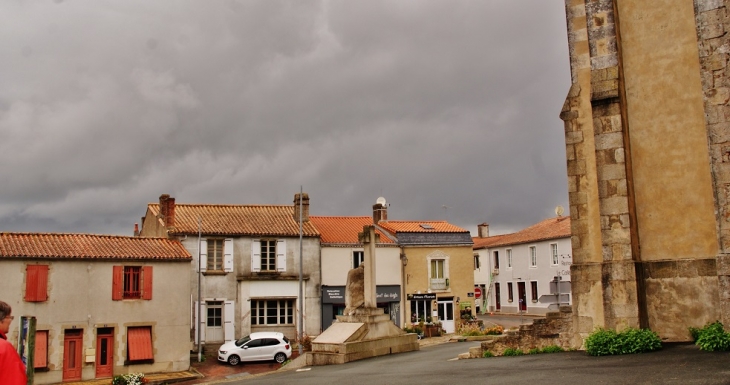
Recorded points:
(647, 133)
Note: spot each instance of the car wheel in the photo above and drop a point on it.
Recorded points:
(234, 360)
(280, 358)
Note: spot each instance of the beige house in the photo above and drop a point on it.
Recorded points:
(104, 305)
(247, 261)
(342, 251)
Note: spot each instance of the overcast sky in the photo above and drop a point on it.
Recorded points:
(448, 109)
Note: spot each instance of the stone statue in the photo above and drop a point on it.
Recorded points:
(355, 290)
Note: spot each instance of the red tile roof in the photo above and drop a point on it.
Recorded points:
(395, 227)
(344, 230)
(257, 220)
(553, 228)
(89, 246)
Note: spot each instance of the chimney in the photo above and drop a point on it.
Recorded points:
(167, 209)
(483, 230)
(305, 207)
(380, 210)
(136, 230)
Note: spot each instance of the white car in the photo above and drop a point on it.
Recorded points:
(260, 346)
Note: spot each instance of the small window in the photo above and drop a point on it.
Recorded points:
(437, 269)
(40, 360)
(510, 293)
(533, 256)
(476, 262)
(215, 314)
(268, 255)
(554, 253)
(215, 254)
(357, 258)
(496, 259)
(139, 344)
(509, 258)
(131, 282)
(36, 283)
(533, 286)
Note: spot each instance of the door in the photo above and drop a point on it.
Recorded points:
(214, 321)
(395, 313)
(72, 345)
(497, 297)
(446, 315)
(104, 352)
(521, 294)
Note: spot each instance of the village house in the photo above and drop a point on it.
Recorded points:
(513, 271)
(246, 258)
(103, 305)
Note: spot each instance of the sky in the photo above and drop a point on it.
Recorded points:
(448, 109)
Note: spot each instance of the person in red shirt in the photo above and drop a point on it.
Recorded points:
(12, 369)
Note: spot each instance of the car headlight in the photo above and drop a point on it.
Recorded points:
(222, 352)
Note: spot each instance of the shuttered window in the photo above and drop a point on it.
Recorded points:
(41, 349)
(131, 282)
(36, 283)
(139, 343)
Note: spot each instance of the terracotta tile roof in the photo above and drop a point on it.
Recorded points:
(89, 246)
(257, 220)
(344, 230)
(395, 227)
(553, 228)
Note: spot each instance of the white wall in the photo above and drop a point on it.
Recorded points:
(337, 261)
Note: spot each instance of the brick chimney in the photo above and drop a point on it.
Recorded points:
(305, 207)
(380, 211)
(167, 209)
(483, 230)
(136, 230)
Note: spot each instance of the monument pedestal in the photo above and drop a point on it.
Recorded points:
(361, 333)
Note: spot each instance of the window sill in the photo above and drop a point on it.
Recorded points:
(215, 272)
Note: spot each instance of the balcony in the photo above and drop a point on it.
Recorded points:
(439, 283)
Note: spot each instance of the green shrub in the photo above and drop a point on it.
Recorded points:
(713, 338)
(487, 354)
(534, 351)
(512, 352)
(604, 342)
(694, 332)
(552, 349)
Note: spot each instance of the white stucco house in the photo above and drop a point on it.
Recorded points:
(103, 305)
(247, 261)
(514, 272)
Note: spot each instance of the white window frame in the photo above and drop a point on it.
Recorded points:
(534, 294)
(509, 258)
(439, 256)
(555, 260)
(280, 253)
(283, 310)
(533, 256)
(359, 257)
(495, 259)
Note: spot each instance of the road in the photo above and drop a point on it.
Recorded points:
(675, 364)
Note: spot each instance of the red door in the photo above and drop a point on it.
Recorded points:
(497, 297)
(104, 352)
(521, 294)
(72, 345)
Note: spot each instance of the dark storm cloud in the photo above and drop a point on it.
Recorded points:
(446, 108)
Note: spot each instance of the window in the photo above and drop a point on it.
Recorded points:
(509, 258)
(510, 293)
(36, 283)
(533, 256)
(268, 255)
(272, 312)
(139, 344)
(215, 314)
(554, 253)
(215, 254)
(132, 282)
(476, 262)
(420, 310)
(40, 359)
(496, 260)
(438, 281)
(533, 287)
(357, 258)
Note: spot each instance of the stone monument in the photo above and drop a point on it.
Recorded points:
(363, 330)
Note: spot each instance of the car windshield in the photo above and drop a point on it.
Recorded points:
(243, 340)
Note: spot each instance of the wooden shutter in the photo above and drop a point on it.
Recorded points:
(199, 322)
(40, 359)
(36, 283)
(203, 256)
(139, 343)
(228, 255)
(117, 283)
(256, 255)
(280, 255)
(228, 316)
(147, 282)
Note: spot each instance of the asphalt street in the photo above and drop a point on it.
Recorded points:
(675, 364)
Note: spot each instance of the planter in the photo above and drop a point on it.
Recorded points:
(432, 331)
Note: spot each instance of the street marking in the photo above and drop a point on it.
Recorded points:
(304, 370)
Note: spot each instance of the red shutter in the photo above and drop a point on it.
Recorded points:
(36, 283)
(117, 283)
(139, 343)
(146, 282)
(41, 349)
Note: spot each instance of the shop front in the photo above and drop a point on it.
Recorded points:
(333, 303)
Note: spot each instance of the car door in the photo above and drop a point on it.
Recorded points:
(252, 350)
(269, 348)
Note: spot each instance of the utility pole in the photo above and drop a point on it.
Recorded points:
(301, 291)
